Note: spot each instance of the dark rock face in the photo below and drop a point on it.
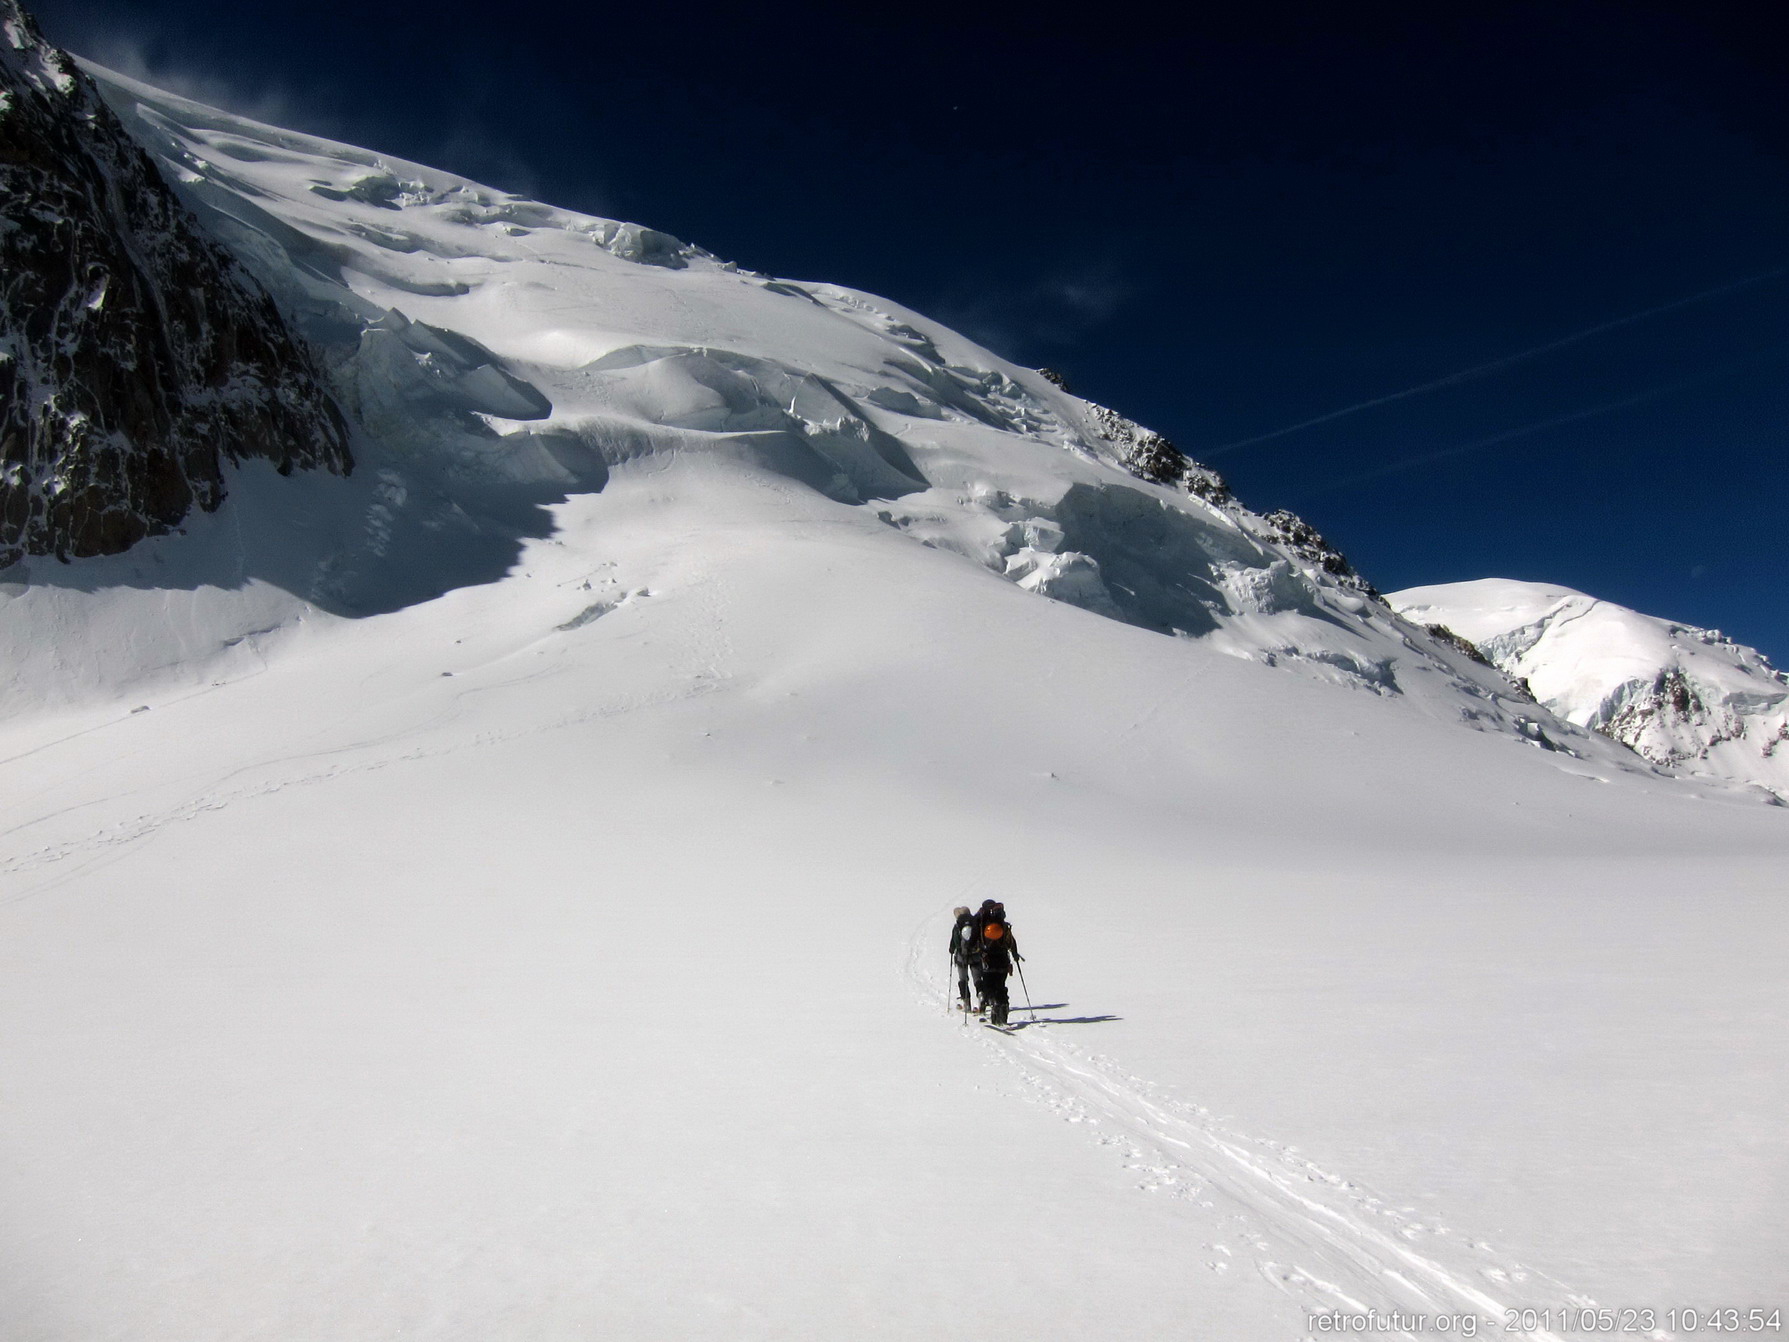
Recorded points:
(1470, 650)
(136, 357)
(1652, 720)
(1303, 540)
(1149, 456)
(1460, 645)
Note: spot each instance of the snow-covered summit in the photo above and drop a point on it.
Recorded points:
(498, 356)
(1683, 697)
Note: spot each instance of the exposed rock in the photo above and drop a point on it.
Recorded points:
(1303, 540)
(1149, 456)
(1458, 644)
(1468, 649)
(136, 356)
(1670, 721)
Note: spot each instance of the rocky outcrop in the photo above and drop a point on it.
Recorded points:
(1466, 649)
(137, 358)
(1672, 720)
(1149, 456)
(1302, 539)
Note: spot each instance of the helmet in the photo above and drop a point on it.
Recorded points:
(961, 911)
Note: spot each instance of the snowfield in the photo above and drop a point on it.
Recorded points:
(503, 894)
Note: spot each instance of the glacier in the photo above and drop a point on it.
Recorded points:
(502, 893)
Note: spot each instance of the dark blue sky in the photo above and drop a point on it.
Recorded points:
(1255, 217)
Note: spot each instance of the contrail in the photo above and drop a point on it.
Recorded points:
(1508, 360)
(1411, 463)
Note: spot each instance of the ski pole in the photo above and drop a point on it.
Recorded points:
(1020, 966)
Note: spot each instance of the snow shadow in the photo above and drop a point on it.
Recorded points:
(439, 498)
(1157, 562)
(1068, 1020)
(1055, 1020)
(383, 539)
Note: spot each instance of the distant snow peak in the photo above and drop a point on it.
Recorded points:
(1684, 698)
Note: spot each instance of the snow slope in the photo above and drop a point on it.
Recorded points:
(500, 355)
(503, 894)
(1685, 698)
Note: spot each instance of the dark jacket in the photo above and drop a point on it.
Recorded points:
(995, 954)
(961, 946)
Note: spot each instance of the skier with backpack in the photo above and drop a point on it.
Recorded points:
(993, 953)
(962, 939)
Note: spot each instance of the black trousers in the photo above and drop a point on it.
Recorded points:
(990, 982)
(962, 979)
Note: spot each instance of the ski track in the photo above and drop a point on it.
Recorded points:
(1319, 1237)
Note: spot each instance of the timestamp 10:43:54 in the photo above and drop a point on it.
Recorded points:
(1682, 1320)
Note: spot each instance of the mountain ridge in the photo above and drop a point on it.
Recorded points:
(414, 286)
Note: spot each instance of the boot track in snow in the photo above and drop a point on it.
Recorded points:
(1321, 1238)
